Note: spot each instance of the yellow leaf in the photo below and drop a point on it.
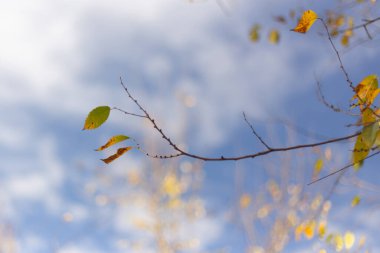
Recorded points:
(307, 20)
(298, 231)
(355, 201)
(113, 140)
(96, 117)
(322, 251)
(349, 239)
(366, 91)
(119, 153)
(360, 152)
(254, 33)
(339, 21)
(245, 201)
(274, 36)
(309, 230)
(349, 32)
(322, 229)
(318, 166)
(338, 242)
(345, 40)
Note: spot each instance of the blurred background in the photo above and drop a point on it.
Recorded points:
(195, 65)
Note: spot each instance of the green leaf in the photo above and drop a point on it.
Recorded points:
(112, 141)
(96, 117)
(119, 153)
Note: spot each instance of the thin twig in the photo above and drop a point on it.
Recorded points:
(342, 169)
(322, 98)
(255, 133)
(350, 83)
(128, 113)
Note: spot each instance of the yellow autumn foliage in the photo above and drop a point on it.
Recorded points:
(306, 21)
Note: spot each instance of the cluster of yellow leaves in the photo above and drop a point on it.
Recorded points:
(365, 93)
(340, 24)
(341, 241)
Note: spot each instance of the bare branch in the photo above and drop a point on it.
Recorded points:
(181, 152)
(255, 133)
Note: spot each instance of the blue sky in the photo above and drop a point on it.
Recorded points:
(193, 67)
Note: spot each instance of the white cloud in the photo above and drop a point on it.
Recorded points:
(78, 249)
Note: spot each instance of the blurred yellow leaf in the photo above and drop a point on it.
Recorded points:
(298, 231)
(349, 32)
(254, 33)
(318, 166)
(174, 203)
(307, 20)
(355, 201)
(119, 153)
(309, 230)
(345, 40)
(322, 229)
(274, 36)
(339, 21)
(113, 140)
(171, 186)
(329, 238)
(338, 243)
(349, 239)
(245, 201)
(322, 251)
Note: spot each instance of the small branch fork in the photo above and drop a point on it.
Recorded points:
(364, 25)
(255, 133)
(268, 150)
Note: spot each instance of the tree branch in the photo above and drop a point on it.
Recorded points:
(181, 152)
